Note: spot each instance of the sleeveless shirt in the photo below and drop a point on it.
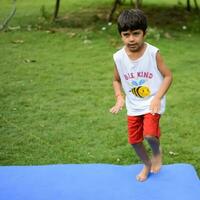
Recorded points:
(140, 80)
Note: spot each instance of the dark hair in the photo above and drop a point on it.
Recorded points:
(131, 20)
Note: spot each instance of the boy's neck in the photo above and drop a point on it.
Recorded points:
(134, 55)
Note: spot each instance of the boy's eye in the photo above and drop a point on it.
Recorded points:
(126, 34)
(136, 33)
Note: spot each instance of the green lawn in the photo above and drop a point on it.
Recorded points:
(56, 91)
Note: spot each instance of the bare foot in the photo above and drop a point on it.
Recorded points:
(143, 175)
(156, 163)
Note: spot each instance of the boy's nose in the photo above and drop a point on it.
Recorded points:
(131, 38)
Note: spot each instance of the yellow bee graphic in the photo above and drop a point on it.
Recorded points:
(140, 90)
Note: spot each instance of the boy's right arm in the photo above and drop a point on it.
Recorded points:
(118, 93)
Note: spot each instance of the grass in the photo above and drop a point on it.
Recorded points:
(56, 89)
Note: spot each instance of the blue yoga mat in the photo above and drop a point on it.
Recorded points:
(97, 182)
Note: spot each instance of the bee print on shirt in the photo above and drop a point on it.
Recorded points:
(140, 90)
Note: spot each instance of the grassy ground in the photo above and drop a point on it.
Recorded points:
(56, 88)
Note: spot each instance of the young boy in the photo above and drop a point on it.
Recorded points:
(145, 79)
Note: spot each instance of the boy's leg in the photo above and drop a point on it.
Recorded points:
(157, 155)
(154, 144)
(152, 134)
(135, 133)
(142, 154)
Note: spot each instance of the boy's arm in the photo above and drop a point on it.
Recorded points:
(118, 93)
(166, 73)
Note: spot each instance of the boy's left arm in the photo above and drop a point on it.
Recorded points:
(167, 80)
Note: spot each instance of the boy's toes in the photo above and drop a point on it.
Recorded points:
(141, 178)
(155, 169)
(143, 175)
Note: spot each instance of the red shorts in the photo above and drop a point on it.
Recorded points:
(141, 126)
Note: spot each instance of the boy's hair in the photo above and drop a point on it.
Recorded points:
(131, 20)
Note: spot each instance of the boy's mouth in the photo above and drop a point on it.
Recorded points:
(132, 46)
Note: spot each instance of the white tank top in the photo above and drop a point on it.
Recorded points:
(140, 80)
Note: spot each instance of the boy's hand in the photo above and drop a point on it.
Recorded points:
(118, 106)
(155, 105)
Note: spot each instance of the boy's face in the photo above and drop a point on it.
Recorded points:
(133, 39)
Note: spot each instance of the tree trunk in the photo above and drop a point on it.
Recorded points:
(7, 20)
(138, 4)
(116, 2)
(188, 5)
(196, 5)
(56, 9)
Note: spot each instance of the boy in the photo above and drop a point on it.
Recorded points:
(145, 79)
